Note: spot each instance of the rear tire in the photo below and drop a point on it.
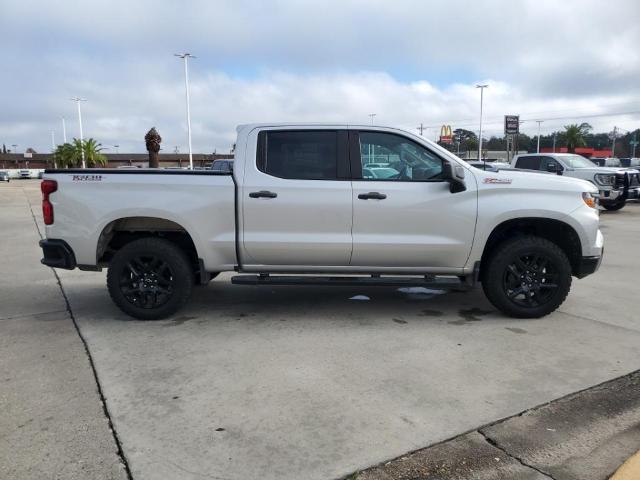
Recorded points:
(150, 278)
(527, 277)
(613, 206)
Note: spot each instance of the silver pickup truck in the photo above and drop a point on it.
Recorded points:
(328, 205)
(615, 185)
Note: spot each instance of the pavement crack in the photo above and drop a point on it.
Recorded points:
(103, 401)
(495, 444)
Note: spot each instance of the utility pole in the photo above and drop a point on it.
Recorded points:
(420, 128)
(371, 116)
(481, 87)
(633, 145)
(554, 141)
(78, 100)
(186, 56)
(64, 130)
(613, 142)
(539, 122)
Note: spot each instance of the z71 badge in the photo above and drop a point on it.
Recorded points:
(87, 178)
(499, 181)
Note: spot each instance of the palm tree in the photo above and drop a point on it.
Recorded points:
(574, 135)
(92, 155)
(70, 154)
(65, 155)
(152, 140)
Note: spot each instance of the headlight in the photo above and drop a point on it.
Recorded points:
(605, 179)
(590, 200)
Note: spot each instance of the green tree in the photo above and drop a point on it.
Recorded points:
(65, 155)
(70, 154)
(92, 155)
(574, 135)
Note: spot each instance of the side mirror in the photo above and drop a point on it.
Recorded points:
(455, 176)
(554, 167)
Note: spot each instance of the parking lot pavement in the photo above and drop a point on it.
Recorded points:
(52, 423)
(308, 382)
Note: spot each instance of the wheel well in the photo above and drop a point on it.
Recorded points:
(555, 231)
(125, 230)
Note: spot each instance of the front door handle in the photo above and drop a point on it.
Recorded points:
(263, 194)
(372, 196)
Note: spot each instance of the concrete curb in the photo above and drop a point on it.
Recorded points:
(629, 470)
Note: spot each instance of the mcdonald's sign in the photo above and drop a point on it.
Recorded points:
(446, 136)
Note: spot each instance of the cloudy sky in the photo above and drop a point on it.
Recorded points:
(407, 61)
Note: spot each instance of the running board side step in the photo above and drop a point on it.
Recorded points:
(437, 283)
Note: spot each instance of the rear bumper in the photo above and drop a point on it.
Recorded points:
(588, 265)
(57, 254)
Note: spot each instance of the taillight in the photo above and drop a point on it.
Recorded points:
(47, 187)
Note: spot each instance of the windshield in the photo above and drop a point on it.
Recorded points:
(577, 161)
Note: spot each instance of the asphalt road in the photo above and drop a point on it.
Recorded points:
(295, 382)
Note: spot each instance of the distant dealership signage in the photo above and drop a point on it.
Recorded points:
(511, 124)
(446, 136)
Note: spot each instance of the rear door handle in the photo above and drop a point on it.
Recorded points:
(372, 196)
(263, 194)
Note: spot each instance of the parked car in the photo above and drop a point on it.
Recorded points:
(4, 176)
(489, 166)
(615, 185)
(225, 166)
(607, 161)
(630, 162)
(24, 174)
(298, 210)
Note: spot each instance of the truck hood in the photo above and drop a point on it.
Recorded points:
(533, 180)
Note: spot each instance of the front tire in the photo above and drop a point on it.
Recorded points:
(613, 206)
(527, 277)
(150, 278)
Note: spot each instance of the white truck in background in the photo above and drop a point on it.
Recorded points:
(330, 205)
(615, 185)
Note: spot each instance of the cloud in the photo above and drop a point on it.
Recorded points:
(407, 61)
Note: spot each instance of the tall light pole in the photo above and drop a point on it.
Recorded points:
(371, 153)
(539, 122)
(116, 147)
(78, 100)
(481, 87)
(613, 141)
(15, 147)
(64, 130)
(53, 139)
(186, 56)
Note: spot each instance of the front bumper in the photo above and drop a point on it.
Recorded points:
(57, 254)
(588, 265)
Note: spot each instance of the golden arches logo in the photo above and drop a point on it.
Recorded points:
(446, 135)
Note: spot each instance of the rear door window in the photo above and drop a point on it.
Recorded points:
(300, 155)
(528, 162)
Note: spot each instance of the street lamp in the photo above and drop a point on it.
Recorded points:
(539, 122)
(481, 87)
(372, 116)
(78, 100)
(116, 147)
(186, 56)
(371, 152)
(64, 130)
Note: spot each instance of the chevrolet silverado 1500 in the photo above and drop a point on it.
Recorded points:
(330, 205)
